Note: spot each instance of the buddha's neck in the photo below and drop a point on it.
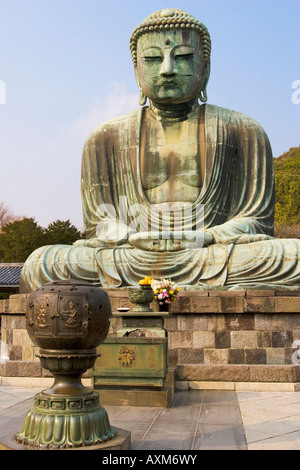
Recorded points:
(168, 111)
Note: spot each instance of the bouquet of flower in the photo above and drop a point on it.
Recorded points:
(165, 291)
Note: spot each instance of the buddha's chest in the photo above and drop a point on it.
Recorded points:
(170, 162)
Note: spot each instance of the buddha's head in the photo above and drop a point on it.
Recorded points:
(171, 54)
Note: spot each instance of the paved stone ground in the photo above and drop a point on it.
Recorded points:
(196, 420)
(271, 420)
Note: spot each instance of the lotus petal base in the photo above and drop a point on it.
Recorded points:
(58, 422)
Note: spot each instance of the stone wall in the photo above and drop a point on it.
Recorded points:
(251, 338)
(239, 337)
(213, 337)
(18, 353)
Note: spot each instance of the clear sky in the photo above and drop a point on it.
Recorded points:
(65, 67)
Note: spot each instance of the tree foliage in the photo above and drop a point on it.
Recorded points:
(61, 232)
(287, 188)
(20, 238)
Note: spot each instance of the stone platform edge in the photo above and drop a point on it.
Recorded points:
(195, 301)
(42, 383)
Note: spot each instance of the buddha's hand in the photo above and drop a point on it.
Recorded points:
(154, 241)
(89, 243)
(259, 237)
(170, 241)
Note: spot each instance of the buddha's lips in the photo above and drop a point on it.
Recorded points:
(167, 83)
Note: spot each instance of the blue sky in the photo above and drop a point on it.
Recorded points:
(66, 68)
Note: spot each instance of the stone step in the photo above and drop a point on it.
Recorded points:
(239, 373)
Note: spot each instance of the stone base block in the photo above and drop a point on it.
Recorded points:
(239, 386)
(239, 373)
(160, 398)
(22, 369)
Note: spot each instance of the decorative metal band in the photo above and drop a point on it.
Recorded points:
(65, 404)
(170, 19)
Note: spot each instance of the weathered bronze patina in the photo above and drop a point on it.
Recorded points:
(179, 188)
(132, 368)
(141, 297)
(67, 320)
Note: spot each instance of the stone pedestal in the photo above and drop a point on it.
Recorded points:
(240, 340)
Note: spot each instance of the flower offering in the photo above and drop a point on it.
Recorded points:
(146, 281)
(165, 291)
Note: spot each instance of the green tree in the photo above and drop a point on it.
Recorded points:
(19, 239)
(61, 232)
(287, 187)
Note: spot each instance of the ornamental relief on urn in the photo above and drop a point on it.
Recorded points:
(68, 315)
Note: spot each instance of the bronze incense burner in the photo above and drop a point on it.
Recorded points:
(67, 320)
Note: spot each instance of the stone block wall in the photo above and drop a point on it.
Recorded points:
(18, 353)
(235, 337)
(249, 338)
(242, 336)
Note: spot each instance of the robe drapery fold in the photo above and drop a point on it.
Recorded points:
(236, 200)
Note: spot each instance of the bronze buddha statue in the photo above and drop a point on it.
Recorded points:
(178, 188)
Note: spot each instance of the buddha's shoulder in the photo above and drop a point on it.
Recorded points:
(115, 125)
(229, 116)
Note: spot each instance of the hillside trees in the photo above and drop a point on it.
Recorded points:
(20, 238)
(61, 232)
(287, 194)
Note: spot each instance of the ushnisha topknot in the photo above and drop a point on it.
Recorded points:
(171, 18)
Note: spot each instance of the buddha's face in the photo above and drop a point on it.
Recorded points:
(170, 66)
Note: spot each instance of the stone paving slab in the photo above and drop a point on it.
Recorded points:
(271, 420)
(197, 420)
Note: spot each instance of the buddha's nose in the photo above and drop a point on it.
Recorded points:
(168, 66)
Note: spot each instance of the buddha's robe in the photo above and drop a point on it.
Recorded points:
(237, 196)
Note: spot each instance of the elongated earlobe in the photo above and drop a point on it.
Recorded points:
(143, 98)
(203, 96)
